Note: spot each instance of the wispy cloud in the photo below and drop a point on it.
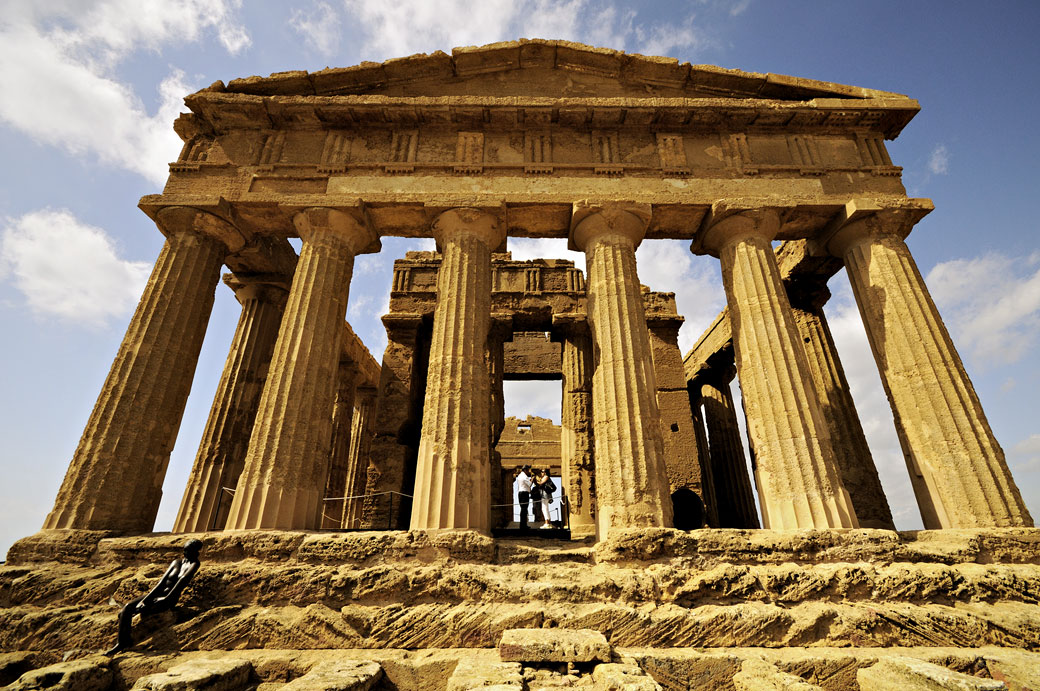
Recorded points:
(939, 161)
(57, 83)
(991, 304)
(319, 26)
(68, 269)
(1025, 455)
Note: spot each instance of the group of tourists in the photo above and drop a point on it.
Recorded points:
(537, 486)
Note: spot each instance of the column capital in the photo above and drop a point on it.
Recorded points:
(266, 287)
(175, 220)
(501, 325)
(569, 324)
(484, 224)
(318, 224)
(590, 220)
(808, 293)
(366, 393)
(864, 219)
(728, 223)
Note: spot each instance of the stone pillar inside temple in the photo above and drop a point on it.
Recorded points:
(452, 476)
(693, 391)
(576, 439)
(677, 432)
(631, 476)
(962, 475)
(733, 495)
(855, 462)
(499, 332)
(225, 440)
(798, 480)
(357, 458)
(330, 513)
(114, 481)
(287, 462)
(395, 425)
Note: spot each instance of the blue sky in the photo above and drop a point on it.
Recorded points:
(88, 92)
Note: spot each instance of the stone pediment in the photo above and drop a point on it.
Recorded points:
(540, 69)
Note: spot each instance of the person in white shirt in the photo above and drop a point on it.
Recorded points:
(524, 493)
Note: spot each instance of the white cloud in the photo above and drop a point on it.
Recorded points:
(320, 27)
(991, 304)
(56, 83)
(1025, 455)
(525, 249)
(541, 398)
(669, 266)
(412, 26)
(668, 39)
(68, 269)
(939, 161)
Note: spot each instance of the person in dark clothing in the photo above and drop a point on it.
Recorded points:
(162, 598)
(523, 494)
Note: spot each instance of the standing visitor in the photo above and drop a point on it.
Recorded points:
(523, 494)
(546, 486)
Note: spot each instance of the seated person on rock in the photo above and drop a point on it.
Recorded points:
(163, 597)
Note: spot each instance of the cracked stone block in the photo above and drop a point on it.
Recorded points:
(553, 645)
(225, 674)
(485, 675)
(908, 674)
(338, 675)
(623, 677)
(88, 674)
(759, 675)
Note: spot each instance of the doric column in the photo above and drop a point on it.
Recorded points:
(855, 462)
(963, 477)
(693, 390)
(330, 513)
(395, 425)
(576, 444)
(357, 463)
(222, 452)
(114, 481)
(452, 478)
(499, 332)
(735, 501)
(798, 480)
(631, 477)
(287, 462)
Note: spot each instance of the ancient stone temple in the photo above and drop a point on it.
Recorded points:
(346, 503)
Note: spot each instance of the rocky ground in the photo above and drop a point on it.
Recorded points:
(433, 599)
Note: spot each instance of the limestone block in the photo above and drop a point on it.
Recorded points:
(623, 677)
(483, 674)
(218, 674)
(759, 675)
(87, 674)
(909, 674)
(14, 665)
(338, 675)
(553, 645)
(1019, 672)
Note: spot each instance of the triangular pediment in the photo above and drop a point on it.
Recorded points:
(542, 68)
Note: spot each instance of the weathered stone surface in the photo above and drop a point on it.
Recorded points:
(87, 674)
(918, 675)
(622, 677)
(759, 675)
(338, 675)
(218, 674)
(481, 673)
(553, 645)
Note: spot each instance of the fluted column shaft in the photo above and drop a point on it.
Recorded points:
(576, 447)
(963, 477)
(711, 518)
(331, 512)
(357, 457)
(287, 462)
(855, 462)
(735, 501)
(452, 478)
(222, 451)
(797, 476)
(631, 477)
(114, 481)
